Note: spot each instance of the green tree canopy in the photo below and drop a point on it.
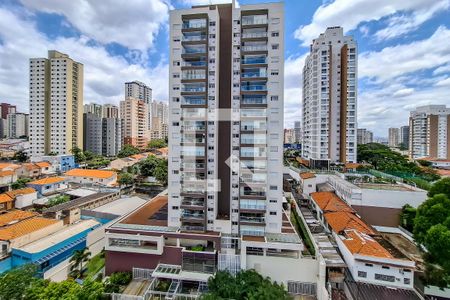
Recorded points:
(156, 167)
(13, 283)
(245, 285)
(21, 156)
(432, 229)
(440, 187)
(157, 143)
(20, 183)
(125, 179)
(128, 150)
(78, 154)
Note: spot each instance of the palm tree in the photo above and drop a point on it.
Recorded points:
(79, 257)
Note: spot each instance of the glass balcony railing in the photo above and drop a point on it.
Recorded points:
(253, 127)
(254, 87)
(192, 165)
(193, 76)
(194, 50)
(193, 189)
(192, 228)
(194, 63)
(193, 140)
(254, 20)
(192, 153)
(193, 89)
(254, 74)
(244, 205)
(254, 48)
(194, 38)
(253, 140)
(250, 35)
(253, 61)
(193, 128)
(254, 100)
(196, 24)
(193, 215)
(193, 202)
(252, 219)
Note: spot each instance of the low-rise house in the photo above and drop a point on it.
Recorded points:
(122, 163)
(6, 202)
(61, 163)
(49, 185)
(23, 197)
(46, 167)
(8, 167)
(87, 176)
(28, 170)
(7, 177)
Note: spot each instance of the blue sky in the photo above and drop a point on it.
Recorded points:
(404, 49)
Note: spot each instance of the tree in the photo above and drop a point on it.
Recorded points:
(125, 179)
(128, 150)
(78, 258)
(52, 153)
(20, 183)
(432, 230)
(15, 282)
(440, 187)
(57, 200)
(21, 156)
(407, 217)
(78, 154)
(157, 143)
(114, 283)
(246, 284)
(161, 173)
(148, 165)
(424, 163)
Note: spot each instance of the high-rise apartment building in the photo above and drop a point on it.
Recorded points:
(330, 97)
(364, 136)
(134, 113)
(394, 137)
(429, 132)
(110, 111)
(111, 136)
(226, 119)
(289, 136)
(297, 131)
(5, 109)
(56, 104)
(17, 125)
(159, 118)
(140, 91)
(92, 132)
(404, 136)
(93, 108)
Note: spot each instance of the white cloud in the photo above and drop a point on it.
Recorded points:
(403, 92)
(404, 23)
(442, 69)
(406, 58)
(104, 74)
(350, 13)
(293, 68)
(133, 24)
(444, 82)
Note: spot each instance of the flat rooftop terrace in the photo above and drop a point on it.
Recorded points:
(121, 206)
(154, 213)
(385, 186)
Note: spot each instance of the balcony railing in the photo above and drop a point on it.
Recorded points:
(194, 63)
(253, 193)
(192, 153)
(254, 48)
(254, 74)
(193, 128)
(253, 141)
(193, 89)
(255, 100)
(254, 88)
(194, 25)
(250, 35)
(252, 206)
(194, 38)
(194, 101)
(252, 219)
(195, 50)
(193, 165)
(196, 215)
(193, 140)
(252, 127)
(196, 177)
(193, 76)
(254, 21)
(194, 202)
(253, 61)
(192, 228)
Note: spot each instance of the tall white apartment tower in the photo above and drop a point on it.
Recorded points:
(56, 104)
(139, 90)
(429, 132)
(330, 97)
(226, 118)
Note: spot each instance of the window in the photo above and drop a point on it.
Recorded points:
(362, 274)
(369, 265)
(273, 188)
(175, 207)
(273, 213)
(385, 267)
(275, 33)
(385, 277)
(273, 201)
(274, 98)
(406, 281)
(275, 46)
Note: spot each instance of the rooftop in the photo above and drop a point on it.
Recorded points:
(153, 213)
(363, 244)
(362, 290)
(121, 206)
(24, 191)
(59, 236)
(307, 175)
(5, 198)
(48, 180)
(90, 173)
(15, 216)
(43, 164)
(6, 173)
(384, 186)
(340, 221)
(80, 192)
(25, 227)
(330, 202)
(8, 166)
(78, 202)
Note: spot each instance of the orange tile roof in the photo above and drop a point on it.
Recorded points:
(164, 151)
(342, 220)
(360, 243)
(8, 165)
(352, 165)
(443, 172)
(15, 215)
(25, 227)
(6, 173)
(5, 198)
(24, 191)
(90, 173)
(329, 202)
(48, 180)
(30, 166)
(137, 156)
(307, 175)
(43, 164)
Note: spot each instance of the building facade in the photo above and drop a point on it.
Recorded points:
(134, 113)
(159, 118)
(394, 137)
(226, 124)
(298, 131)
(110, 111)
(364, 136)
(404, 136)
(93, 108)
(429, 132)
(56, 104)
(330, 98)
(140, 91)
(6, 108)
(92, 134)
(289, 136)
(17, 125)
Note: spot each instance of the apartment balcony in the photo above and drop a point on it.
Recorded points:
(252, 193)
(199, 261)
(256, 35)
(254, 48)
(250, 87)
(193, 101)
(193, 203)
(254, 21)
(252, 206)
(193, 128)
(192, 228)
(253, 128)
(193, 176)
(194, 113)
(194, 25)
(194, 37)
(193, 51)
(196, 63)
(256, 101)
(193, 90)
(193, 140)
(252, 220)
(253, 141)
(193, 216)
(254, 60)
(194, 165)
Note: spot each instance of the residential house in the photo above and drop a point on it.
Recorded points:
(87, 176)
(28, 170)
(6, 202)
(49, 185)
(23, 197)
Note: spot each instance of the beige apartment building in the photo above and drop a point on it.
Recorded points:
(134, 113)
(56, 104)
